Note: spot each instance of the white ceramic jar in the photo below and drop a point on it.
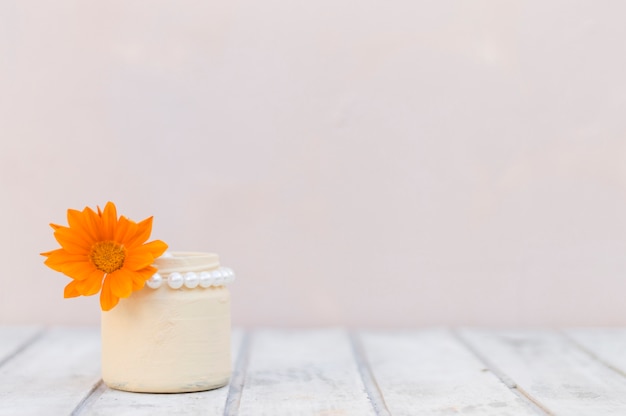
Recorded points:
(173, 335)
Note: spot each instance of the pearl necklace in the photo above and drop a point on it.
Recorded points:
(191, 280)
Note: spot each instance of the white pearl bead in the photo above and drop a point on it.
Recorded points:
(229, 275)
(175, 280)
(205, 279)
(191, 280)
(218, 277)
(155, 281)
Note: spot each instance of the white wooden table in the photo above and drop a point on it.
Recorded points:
(56, 371)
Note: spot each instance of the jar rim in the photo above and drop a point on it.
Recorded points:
(186, 261)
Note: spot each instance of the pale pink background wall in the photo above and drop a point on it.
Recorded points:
(362, 163)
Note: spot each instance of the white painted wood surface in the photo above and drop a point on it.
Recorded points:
(13, 338)
(52, 375)
(607, 345)
(303, 372)
(333, 372)
(431, 373)
(553, 371)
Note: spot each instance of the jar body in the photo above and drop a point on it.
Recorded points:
(168, 340)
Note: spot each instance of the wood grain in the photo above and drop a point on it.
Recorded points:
(607, 345)
(326, 372)
(553, 371)
(303, 372)
(53, 375)
(429, 372)
(14, 339)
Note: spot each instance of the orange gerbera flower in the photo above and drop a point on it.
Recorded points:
(100, 251)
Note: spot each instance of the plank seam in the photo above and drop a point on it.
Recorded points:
(372, 389)
(590, 353)
(533, 403)
(237, 381)
(23, 347)
(93, 395)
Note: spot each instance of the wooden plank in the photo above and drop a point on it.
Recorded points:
(120, 403)
(551, 370)
(429, 372)
(303, 372)
(371, 386)
(14, 338)
(607, 345)
(53, 375)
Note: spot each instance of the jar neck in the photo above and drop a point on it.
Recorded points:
(182, 262)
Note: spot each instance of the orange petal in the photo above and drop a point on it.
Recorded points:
(156, 247)
(79, 222)
(121, 282)
(89, 287)
(147, 271)
(55, 267)
(144, 228)
(79, 271)
(143, 256)
(138, 284)
(91, 284)
(71, 241)
(93, 223)
(70, 290)
(125, 230)
(139, 257)
(50, 253)
(75, 266)
(107, 299)
(60, 256)
(75, 231)
(140, 277)
(109, 221)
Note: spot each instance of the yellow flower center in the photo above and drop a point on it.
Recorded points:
(107, 256)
